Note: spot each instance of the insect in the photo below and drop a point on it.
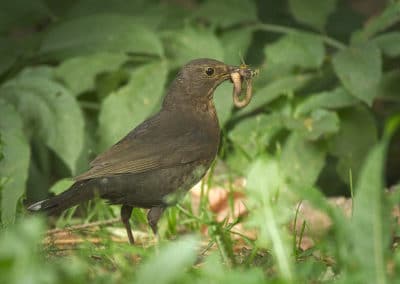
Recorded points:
(246, 74)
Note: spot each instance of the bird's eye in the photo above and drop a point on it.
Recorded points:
(209, 71)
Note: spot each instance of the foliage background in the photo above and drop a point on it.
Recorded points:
(75, 76)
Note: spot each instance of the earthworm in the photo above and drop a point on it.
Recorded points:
(237, 88)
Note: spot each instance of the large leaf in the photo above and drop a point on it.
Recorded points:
(370, 222)
(8, 54)
(235, 44)
(21, 13)
(253, 135)
(124, 109)
(302, 160)
(163, 269)
(15, 161)
(189, 43)
(118, 34)
(318, 123)
(296, 50)
(357, 134)
(389, 88)
(359, 69)
(389, 43)
(313, 13)
(268, 198)
(79, 73)
(389, 17)
(141, 12)
(223, 102)
(275, 89)
(49, 112)
(227, 13)
(337, 98)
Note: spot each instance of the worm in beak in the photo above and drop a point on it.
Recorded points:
(238, 75)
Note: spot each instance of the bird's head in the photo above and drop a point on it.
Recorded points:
(197, 81)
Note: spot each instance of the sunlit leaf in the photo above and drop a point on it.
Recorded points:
(15, 161)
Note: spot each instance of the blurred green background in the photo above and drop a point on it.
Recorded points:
(76, 76)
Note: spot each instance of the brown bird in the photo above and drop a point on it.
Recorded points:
(160, 159)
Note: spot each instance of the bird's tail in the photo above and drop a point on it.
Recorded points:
(78, 193)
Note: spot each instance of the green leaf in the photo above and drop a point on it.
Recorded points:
(357, 134)
(319, 123)
(313, 13)
(49, 112)
(252, 135)
(227, 13)
(61, 185)
(21, 13)
(379, 23)
(267, 196)
(296, 50)
(389, 88)
(15, 162)
(223, 102)
(124, 109)
(163, 269)
(141, 12)
(235, 44)
(8, 55)
(275, 89)
(189, 43)
(118, 34)
(79, 73)
(370, 222)
(359, 68)
(389, 43)
(302, 160)
(337, 98)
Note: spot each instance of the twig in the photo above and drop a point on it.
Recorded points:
(83, 226)
(286, 30)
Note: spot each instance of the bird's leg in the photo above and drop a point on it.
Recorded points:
(153, 216)
(126, 212)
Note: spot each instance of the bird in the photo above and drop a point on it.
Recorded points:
(156, 163)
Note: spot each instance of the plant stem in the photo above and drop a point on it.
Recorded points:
(286, 30)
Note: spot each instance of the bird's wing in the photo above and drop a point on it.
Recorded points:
(152, 145)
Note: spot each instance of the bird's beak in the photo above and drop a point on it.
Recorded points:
(244, 71)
